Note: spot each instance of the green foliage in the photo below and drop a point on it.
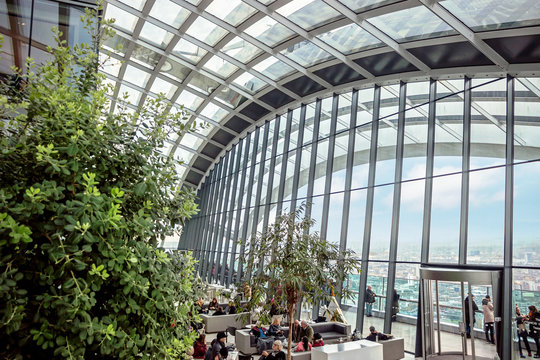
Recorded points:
(288, 264)
(85, 197)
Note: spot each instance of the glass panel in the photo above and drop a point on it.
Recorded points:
(412, 24)
(206, 31)
(387, 141)
(249, 82)
(415, 143)
(117, 44)
(189, 51)
(129, 94)
(306, 53)
(169, 12)
(526, 120)
(326, 115)
(448, 129)
(488, 125)
(183, 155)
(189, 100)
(214, 112)
(304, 172)
(136, 76)
(308, 14)
(485, 240)
(335, 215)
(155, 35)
(273, 68)
(289, 175)
(295, 123)
(277, 178)
(365, 106)
(241, 50)
(220, 67)
(344, 112)
(269, 32)
(377, 279)
(123, 20)
(381, 223)
(161, 86)
(230, 97)
(203, 83)
(320, 168)
(232, 11)
(407, 287)
(175, 70)
(308, 127)
(340, 162)
(191, 141)
(445, 219)
(357, 214)
(526, 209)
(411, 220)
(362, 144)
(110, 66)
(526, 292)
(363, 5)
(349, 39)
(316, 212)
(136, 4)
(494, 14)
(148, 58)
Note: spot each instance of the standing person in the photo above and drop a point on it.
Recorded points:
(395, 305)
(522, 332)
(467, 314)
(489, 319)
(369, 299)
(534, 319)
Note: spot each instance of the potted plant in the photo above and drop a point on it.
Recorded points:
(287, 264)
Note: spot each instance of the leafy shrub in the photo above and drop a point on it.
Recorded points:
(85, 197)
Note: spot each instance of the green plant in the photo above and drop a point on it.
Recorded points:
(287, 264)
(85, 197)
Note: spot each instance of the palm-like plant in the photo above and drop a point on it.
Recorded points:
(287, 264)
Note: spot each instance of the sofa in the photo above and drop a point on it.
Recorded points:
(214, 324)
(393, 349)
(330, 331)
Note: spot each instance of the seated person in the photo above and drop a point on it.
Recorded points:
(306, 330)
(274, 329)
(223, 354)
(199, 347)
(296, 332)
(199, 307)
(232, 308)
(219, 311)
(317, 340)
(374, 335)
(303, 345)
(279, 355)
(213, 304)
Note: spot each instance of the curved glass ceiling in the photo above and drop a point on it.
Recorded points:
(233, 64)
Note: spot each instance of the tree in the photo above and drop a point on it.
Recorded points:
(85, 197)
(287, 264)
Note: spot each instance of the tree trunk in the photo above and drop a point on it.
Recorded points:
(291, 323)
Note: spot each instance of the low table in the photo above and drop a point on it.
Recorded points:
(353, 350)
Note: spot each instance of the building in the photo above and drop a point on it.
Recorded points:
(409, 126)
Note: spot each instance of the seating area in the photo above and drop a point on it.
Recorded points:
(330, 331)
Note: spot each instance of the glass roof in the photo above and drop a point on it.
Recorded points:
(234, 64)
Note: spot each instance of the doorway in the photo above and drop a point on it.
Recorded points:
(448, 330)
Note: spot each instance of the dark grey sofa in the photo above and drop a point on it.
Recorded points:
(330, 331)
